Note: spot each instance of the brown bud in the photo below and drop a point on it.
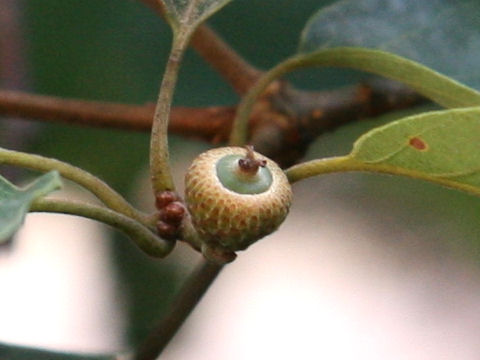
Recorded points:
(173, 213)
(164, 198)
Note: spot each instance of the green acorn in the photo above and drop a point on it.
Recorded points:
(235, 196)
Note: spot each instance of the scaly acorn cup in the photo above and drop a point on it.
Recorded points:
(235, 196)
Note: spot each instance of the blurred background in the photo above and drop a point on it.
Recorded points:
(365, 267)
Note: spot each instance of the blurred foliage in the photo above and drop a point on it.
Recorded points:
(115, 50)
(426, 31)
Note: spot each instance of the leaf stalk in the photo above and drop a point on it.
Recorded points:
(348, 163)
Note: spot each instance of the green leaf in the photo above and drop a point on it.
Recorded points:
(440, 146)
(190, 13)
(437, 87)
(443, 35)
(16, 352)
(15, 202)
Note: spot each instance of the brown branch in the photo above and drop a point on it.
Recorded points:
(283, 123)
(214, 50)
(91, 113)
(237, 72)
(210, 124)
(155, 5)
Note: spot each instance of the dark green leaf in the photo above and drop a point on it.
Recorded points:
(441, 34)
(15, 202)
(439, 88)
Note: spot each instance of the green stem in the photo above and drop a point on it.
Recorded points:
(321, 166)
(190, 234)
(159, 155)
(140, 234)
(189, 296)
(100, 189)
(348, 163)
(238, 136)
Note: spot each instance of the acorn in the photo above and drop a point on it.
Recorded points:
(235, 196)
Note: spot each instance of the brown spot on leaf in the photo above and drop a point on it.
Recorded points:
(417, 143)
(317, 113)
